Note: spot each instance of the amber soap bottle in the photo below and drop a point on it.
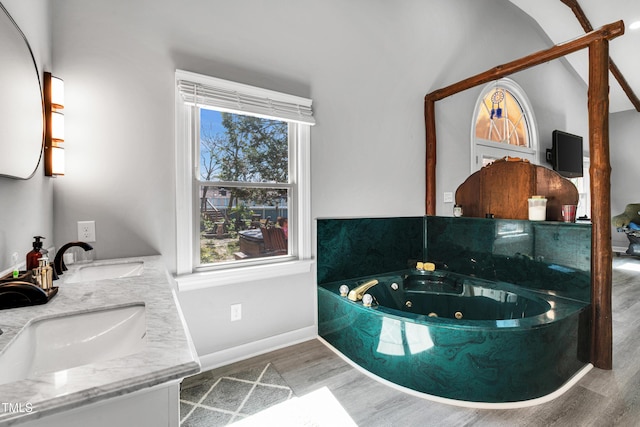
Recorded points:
(35, 254)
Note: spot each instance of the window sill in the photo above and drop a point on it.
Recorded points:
(505, 146)
(212, 279)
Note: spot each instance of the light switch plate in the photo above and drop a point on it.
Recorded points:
(448, 197)
(236, 312)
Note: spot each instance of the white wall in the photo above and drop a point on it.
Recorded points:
(624, 129)
(367, 66)
(276, 312)
(27, 207)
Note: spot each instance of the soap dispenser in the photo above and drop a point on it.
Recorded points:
(35, 254)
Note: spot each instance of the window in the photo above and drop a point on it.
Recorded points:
(242, 158)
(582, 184)
(503, 125)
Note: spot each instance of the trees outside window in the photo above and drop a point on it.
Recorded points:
(244, 184)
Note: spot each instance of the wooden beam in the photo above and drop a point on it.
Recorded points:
(600, 173)
(430, 126)
(608, 32)
(615, 71)
(624, 84)
(579, 13)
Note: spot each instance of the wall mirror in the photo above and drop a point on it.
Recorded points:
(21, 107)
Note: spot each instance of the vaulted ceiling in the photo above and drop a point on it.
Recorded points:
(560, 23)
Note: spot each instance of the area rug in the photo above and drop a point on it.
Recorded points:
(222, 401)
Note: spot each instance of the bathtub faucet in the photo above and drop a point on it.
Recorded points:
(356, 294)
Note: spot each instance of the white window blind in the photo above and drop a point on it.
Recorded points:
(223, 95)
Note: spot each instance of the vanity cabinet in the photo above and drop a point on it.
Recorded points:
(138, 385)
(157, 406)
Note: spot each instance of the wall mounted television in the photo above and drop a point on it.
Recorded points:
(566, 154)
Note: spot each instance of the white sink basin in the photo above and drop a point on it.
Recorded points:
(65, 342)
(106, 271)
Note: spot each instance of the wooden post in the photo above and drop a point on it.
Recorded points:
(430, 126)
(600, 172)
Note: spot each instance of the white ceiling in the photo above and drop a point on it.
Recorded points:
(560, 24)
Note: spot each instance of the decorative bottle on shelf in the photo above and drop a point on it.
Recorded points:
(46, 273)
(35, 254)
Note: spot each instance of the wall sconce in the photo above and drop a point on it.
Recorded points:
(54, 125)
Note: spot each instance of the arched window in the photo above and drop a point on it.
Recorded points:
(503, 125)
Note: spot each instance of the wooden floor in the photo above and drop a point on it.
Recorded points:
(601, 398)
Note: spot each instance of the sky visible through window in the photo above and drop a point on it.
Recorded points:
(211, 120)
(210, 123)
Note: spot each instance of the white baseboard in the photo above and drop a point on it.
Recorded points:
(245, 351)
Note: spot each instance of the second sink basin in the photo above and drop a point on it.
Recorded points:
(106, 271)
(65, 342)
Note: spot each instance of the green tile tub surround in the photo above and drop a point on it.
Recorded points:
(547, 256)
(473, 360)
(354, 247)
(492, 361)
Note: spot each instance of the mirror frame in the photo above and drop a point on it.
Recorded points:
(39, 80)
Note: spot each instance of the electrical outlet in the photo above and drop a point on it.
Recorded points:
(87, 231)
(236, 312)
(448, 197)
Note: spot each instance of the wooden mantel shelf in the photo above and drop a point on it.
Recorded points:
(503, 188)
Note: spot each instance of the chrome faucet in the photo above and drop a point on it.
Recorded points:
(58, 262)
(356, 294)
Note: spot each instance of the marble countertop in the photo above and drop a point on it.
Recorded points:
(169, 354)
